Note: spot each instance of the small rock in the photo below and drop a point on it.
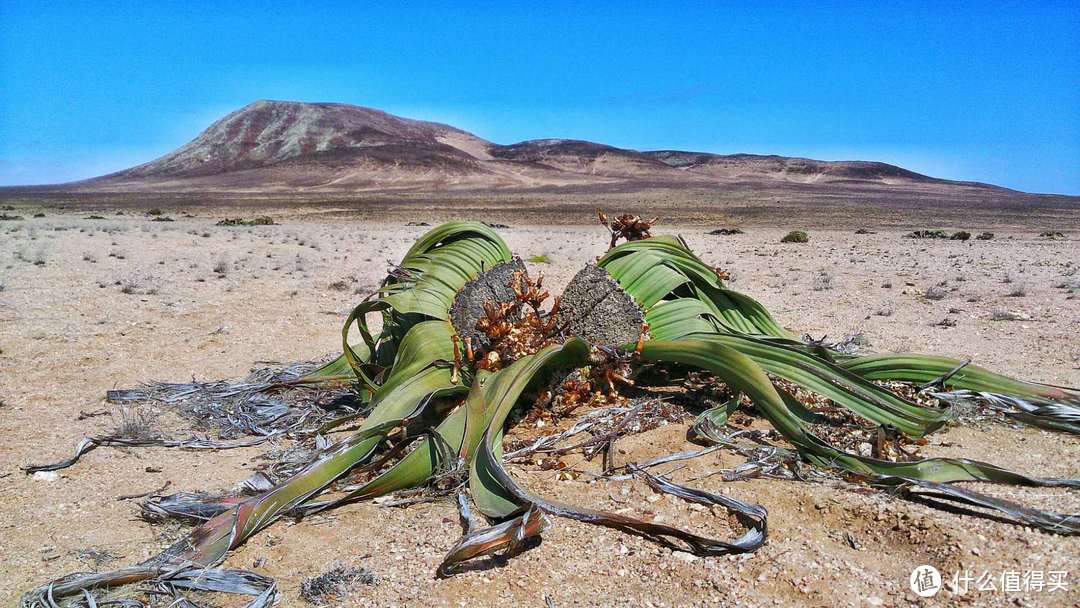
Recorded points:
(684, 556)
(49, 476)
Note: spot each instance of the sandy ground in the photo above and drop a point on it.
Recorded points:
(87, 305)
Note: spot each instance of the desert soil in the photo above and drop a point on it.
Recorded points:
(92, 304)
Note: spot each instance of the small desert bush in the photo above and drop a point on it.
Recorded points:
(927, 234)
(936, 292)
(796, 236)
(1008, 315)
(1018, 291)
(823, 281)
(237, 221)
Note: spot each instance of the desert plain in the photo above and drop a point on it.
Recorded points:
(95, 294)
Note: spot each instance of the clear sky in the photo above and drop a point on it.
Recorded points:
(987, 91)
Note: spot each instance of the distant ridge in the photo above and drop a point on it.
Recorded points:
(331, 147)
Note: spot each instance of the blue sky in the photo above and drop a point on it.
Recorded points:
(986, 91)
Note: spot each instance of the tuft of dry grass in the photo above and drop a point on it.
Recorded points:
(1018, 291)
(936, 292)
(1008, 315)
(823, 281)
(135, 425)
(334, 585)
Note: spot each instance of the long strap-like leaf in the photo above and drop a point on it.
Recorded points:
(497, 495)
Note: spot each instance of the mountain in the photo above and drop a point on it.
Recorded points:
(281, 146)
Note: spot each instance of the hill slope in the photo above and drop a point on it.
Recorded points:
(280, 146)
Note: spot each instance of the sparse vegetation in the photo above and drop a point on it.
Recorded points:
(335, 585)
(1018, 291)
(539, 259)
(796, 236)
(984, 236)
(927, 234)
(962, 235)
(1071, 284)
(39, 258)
(823, 281)
(137, 283)
(262, 220)
(725, 231)
(1009, 315)
(936, 292)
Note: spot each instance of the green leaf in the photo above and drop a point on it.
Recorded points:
(658, 268)
(836, 383)
(744, 375)
(500, 393)
(430, 275)
(910, 367)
